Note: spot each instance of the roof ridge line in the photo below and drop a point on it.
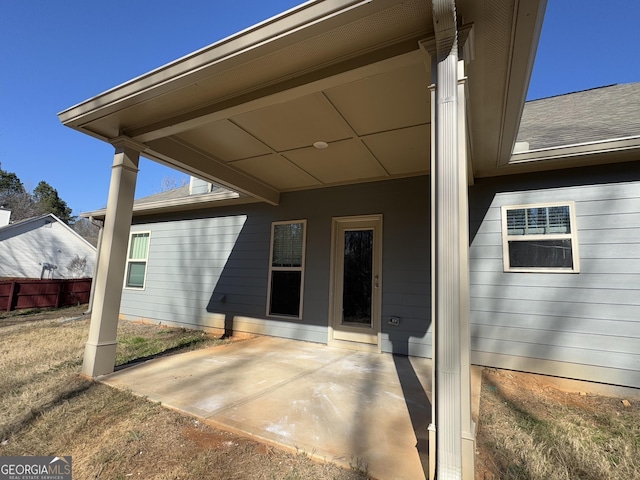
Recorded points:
(579, 91)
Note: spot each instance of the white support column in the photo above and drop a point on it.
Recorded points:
(445, 171)
(468, 428)
(100, 349)
(430, 48)
(449, 259)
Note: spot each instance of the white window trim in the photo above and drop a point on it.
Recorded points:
(137, 260)
(301, 268)
(573, 236)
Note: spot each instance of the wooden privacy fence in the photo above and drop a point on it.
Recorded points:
(21, 293)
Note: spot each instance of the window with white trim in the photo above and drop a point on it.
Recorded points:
(540, 238)
(286, 268)
(137, 258)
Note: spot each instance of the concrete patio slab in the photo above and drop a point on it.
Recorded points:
(338, 405)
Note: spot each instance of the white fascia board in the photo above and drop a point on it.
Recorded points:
(576, 150)
(527, 27)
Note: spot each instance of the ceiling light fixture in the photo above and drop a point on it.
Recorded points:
(320, 145)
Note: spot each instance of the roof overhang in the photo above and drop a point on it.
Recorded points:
(183, 204)
(585, 154)
(246, 111)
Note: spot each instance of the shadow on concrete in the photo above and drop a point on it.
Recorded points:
(415, 397)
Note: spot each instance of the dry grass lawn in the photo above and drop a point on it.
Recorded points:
(47, 408)
(531, 430)
(527, 431)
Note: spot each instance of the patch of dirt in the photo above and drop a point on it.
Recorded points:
(220, 440)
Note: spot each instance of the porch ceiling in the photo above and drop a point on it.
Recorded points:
(246, 111)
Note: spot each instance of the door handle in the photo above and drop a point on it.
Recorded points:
(375, 281)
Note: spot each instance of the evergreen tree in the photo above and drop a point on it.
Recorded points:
(10, 183)
(44, 199)
(48, 201)
(15, 197)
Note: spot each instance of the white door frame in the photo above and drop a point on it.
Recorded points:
(353, 337)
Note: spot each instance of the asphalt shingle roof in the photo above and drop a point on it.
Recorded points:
(176, 194)
(591, 115)
(172, 194)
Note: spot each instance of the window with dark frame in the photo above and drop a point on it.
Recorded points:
(540, 238)
(286, 268)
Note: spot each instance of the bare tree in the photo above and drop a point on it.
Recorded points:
(77, 267)
(171, 183)
(87, 230)
(21, 205)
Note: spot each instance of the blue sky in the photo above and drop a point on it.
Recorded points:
(55, 54)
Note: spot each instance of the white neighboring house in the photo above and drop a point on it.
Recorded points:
(5, 215)
(44, 247)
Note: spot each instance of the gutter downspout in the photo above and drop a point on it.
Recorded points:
(100, 225)
(447, 259)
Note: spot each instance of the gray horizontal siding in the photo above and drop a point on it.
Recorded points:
(557, 342)
(406, 270)
(600, 281)
(301, 331)
(557, 308)
(614, 328)
(589, 320)
(559, 353)
(205, 271)
(593, 266)
(187, 258)
(565, 294)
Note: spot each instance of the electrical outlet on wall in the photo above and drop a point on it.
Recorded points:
(394, 321)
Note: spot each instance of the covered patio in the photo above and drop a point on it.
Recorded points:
(331, 93)
(356, 409)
